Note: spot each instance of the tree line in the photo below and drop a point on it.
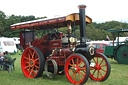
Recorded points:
(99, 30)
(6, 21)
(94, 31)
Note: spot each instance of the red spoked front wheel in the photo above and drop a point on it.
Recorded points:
(77, 69)
(32, 62)
(99, 67)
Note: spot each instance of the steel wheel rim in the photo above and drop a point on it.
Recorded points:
(49, 74)
(30, 63)
(122, 54)
(76, 69)
(100, 67)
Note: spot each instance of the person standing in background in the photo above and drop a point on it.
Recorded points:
(7, 58)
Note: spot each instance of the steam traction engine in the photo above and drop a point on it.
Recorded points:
(59, 53)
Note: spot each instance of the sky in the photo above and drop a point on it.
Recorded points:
(97, 10)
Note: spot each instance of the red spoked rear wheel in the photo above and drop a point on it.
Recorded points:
(32, 62)
(77, 69)
(99, 67)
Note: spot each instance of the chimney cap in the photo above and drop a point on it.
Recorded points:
(82, 6)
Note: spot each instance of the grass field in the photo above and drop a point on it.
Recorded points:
(118, 76)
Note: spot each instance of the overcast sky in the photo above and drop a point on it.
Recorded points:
(98, 10)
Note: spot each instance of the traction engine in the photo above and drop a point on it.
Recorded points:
(57, 53)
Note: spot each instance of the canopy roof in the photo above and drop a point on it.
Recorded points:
(51, 22)
(118, 30)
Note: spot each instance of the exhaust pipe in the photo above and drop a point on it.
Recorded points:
(82, 24)
(83, 48)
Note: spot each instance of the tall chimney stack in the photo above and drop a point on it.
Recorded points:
(82, 24)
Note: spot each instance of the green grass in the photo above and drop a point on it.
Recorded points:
(118, 76)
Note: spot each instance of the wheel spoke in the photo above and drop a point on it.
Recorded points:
(103, 70)
(36, 56)
(36, 59)
(29, 56)
(30, 52)
(79, 76)
(81, 73)
(73, 62)
(26, 67)
(73, 74)
(29, 68)
(94, 60)
(34, 73)
(27, 62)
(26, 58)
(36, 66)
(36, 70)
(83, 68)
(103, 65)
(79, 64)
(94, 72)
(70, 70)
(97, 60)
(71, 65)
(33, 54)
(31, 72)
(77, 61)
(101, 62)
(100, 73)
(75, 77)
(92, 68)
(84, 71)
